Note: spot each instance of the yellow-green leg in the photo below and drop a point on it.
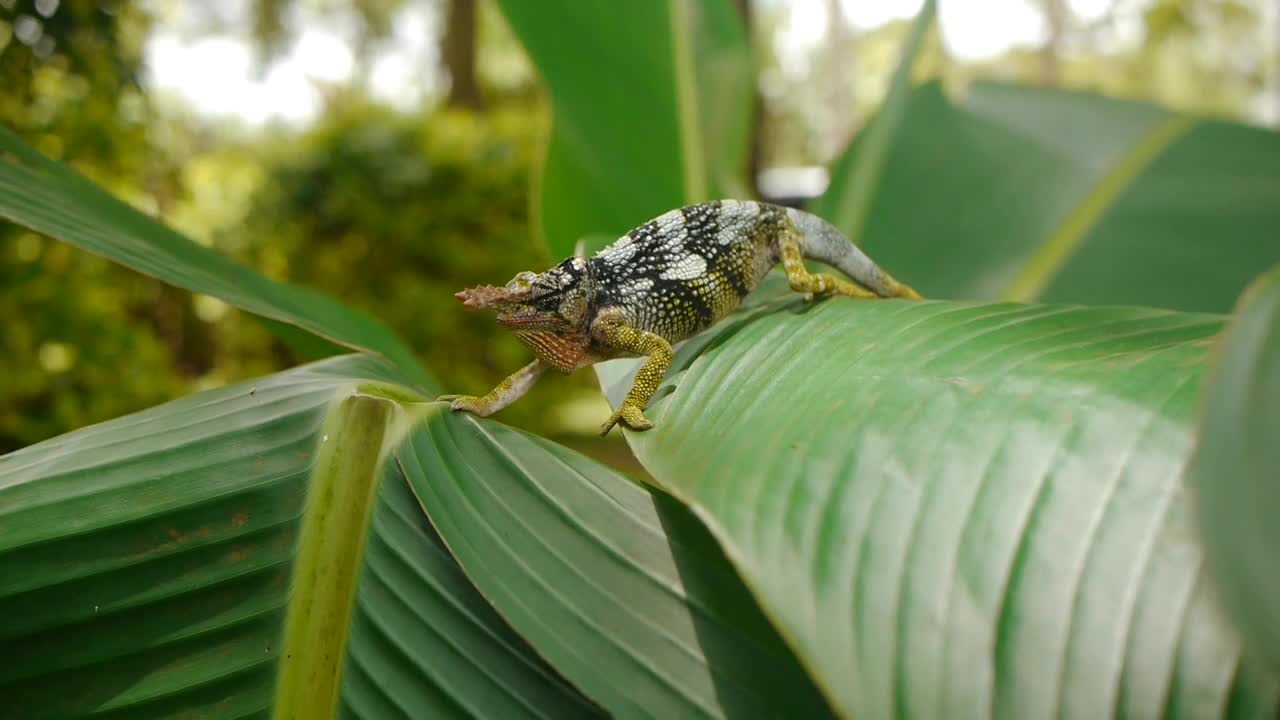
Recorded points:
(814, 285)
(613, 332)
(507, 392)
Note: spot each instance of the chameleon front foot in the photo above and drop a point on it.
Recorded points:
(628, 415)
(507, 392)
(470, 403)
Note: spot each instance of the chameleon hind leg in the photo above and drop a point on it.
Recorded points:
(612, 331)
(809, 284)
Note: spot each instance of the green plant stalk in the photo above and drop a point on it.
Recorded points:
(1059, 247)
(343, 484)
(850, 213)
(388, 391)
(692, 150)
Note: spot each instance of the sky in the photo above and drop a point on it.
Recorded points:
(216, 72)
(970, 31)
(217, 75)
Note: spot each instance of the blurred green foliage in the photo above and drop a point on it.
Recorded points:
(70, 80)
(394, 214)
(391, 212)
(84, 340)
(1202, 56)
(79, 344)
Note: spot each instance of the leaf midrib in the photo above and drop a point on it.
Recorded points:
(1058, 247)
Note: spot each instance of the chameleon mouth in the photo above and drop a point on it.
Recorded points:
(522, 321)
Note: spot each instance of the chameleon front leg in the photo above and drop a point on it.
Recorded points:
(810, 284)
(611, 329)
(507, 392)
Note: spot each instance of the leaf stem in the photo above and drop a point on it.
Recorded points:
(344, 481)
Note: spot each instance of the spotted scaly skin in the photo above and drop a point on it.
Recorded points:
(661, 283)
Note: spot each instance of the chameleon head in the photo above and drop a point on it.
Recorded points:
(551, 301)
(546, 311)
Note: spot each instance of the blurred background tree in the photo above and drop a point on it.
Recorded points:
(70, 77)
(381, 150)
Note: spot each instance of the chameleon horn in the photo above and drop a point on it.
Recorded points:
(487, 296)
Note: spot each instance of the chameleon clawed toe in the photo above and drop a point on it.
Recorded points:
(470, 403)
(630, 416)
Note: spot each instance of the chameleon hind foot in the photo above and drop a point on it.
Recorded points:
(814, 285)
(906, 292)
(820, 285)
(630, 416)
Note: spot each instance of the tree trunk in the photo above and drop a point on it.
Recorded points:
(841, 73)
(1275, 65)
(459, 50)
(1055, 17)
(755, 151)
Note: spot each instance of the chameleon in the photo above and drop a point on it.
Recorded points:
(659, 284)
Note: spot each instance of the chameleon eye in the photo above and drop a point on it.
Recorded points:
(522, 281)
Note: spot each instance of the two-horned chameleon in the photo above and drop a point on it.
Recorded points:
(662, 282)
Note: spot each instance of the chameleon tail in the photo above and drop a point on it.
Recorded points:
(821, 241)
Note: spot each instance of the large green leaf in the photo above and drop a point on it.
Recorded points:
(51, 199)
(424, 643)
(963, 510)
(623, 591)
(145, 567)
(651, 104)
(1018, 193)
(1236, 471)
